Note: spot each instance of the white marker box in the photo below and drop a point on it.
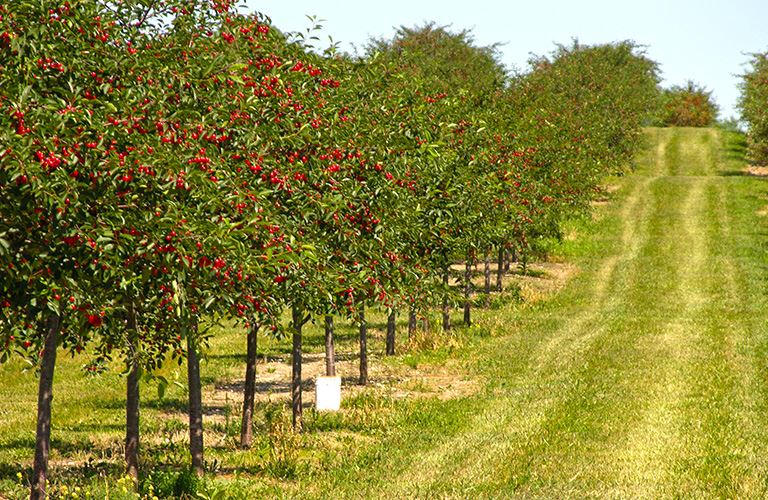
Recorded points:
(328, 393)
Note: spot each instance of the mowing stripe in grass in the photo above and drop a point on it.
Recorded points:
(523, 417)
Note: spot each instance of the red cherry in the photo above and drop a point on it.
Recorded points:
(94, 320)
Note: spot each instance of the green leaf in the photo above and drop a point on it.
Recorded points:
(162, 386)
(208, 302)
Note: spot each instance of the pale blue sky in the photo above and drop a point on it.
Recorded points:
(701, 40)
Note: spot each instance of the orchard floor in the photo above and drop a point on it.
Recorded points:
(645, 376)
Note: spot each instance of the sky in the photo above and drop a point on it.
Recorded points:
(707, 41)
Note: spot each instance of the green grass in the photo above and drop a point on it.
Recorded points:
(644, 377)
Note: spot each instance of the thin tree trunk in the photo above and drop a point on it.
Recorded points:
(514, 254)
(446, 308)
(411, 323)
(468, 292)
(524, 261)
(487, 274)
(500, 271)
(195, 402)
(363, 346)
(296, 408)
(391, 333)
(330, 355)
(44, 397)
(249, 394)
(132, 399)
(425, 323)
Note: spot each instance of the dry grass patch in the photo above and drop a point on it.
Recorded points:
(757, 171)
(397, 380)
(543, 279)
(444, 382)
(539, 280)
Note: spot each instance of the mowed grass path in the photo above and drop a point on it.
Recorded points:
(646, 377)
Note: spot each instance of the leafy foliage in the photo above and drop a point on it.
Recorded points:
(753, 104)
(688, 106)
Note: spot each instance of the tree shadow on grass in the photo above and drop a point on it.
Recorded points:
(9, 471)
(339, 336)
(240, 358)
(166, 404)
(736, 149)
(233, 358)
(85, 471)
(261, 387)
(92, 427)
(22, 443)
(76, 447)
(731, 172)
(243, 471)
(64, 449)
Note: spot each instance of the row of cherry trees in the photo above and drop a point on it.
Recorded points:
(166, 164)
(753, 105)
(687, 106)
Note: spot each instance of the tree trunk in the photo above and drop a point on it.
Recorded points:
(195, 402)
(44, 397)
(363, 346)
(468, 292)
(524, 261)
(330, 354)
(132, 399)
(249, 393)
(514, 254)
(507, 258)
(411, 323)
(391, 333)
(446, 308)
(296, 408)
(500, 271)
(487, 274)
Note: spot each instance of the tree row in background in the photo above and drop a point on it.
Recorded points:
(753, 105)
(167, 165)
(690, 105)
